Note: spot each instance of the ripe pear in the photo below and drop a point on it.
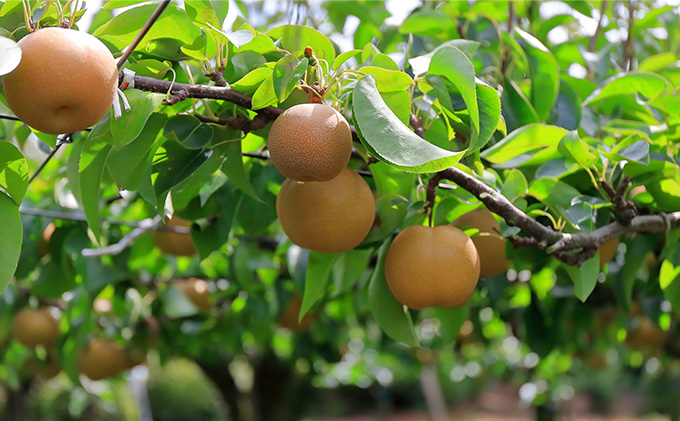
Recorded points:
(66, 81)
(491, 248)
(327, 216)
(101, 359)
(196, 291)
(310, 142)
(174, 243)
(432, 267)
(35, 327)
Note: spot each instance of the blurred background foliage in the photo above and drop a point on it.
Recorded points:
(524, 346)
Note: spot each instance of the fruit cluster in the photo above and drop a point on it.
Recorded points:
(323, 205)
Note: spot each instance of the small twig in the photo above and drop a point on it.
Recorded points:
(431, 196)
(624, 210)
(135, 42)
(64, 140)
(218, 78)
(628, 52)
(592, 42)
(144, 225)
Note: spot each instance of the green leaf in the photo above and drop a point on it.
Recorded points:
(234, 170)
(207, 12)
(571, 146)
(295, 39)
(173, 22)
(388, 80)
(544, 73)
(131, 163)
(149, 67)
(11, 55)
(556, 194)
(211, 237)
(125, 129)
(452, 64)
(391, 315)
(265, 94)
(10, 239)
(189, 131)
(348, 268)
(489, 104)
(13, 172)
(648, 85)
(515, 185)
(567, 110)
(584, 277)
(342, 58)
(635, 152)
(522, 144)
(319, 267)
(516, 108)
(251, 81)
(389, 138)
(92, 162)
(451, 320)
(287, 73)
(174, 166)
(669, 280)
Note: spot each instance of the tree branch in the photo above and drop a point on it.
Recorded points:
(572, 249)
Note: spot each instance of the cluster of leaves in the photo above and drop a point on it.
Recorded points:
(501, 104)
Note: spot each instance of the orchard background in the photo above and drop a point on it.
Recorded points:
(560, 117)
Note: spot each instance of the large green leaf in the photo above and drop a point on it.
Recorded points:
(584, 277)
(10, 239)
(455, 66)
(521, 145)
(571, 146)
(92, 163)
(172, 25)
(556, 194)
(489, 116)
(207, 13)
(388, 80)
(545, 80)
(390, 139)
(669, 280)
(13, 172)
(296, 38)
(126, 128)
(287, 73)
(319, 267)
(189, 131)
(174, 166)
(216, 233)
(646, 84)
(233, 168)
(129, 164)
(516, 108)
(390, 314)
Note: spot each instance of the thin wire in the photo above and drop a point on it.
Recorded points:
(9, 117)
(152, 19)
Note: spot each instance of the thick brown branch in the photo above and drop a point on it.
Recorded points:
(572, 249)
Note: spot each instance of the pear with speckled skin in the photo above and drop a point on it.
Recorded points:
(328, 216)
(432, 267)
(310, 142)
(66, 81)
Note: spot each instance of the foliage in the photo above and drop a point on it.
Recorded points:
(553, 124)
